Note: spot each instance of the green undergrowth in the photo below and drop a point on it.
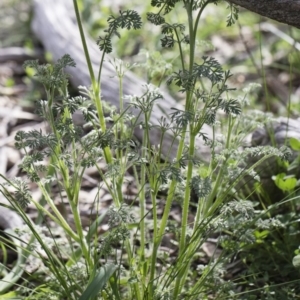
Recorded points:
(130, 260)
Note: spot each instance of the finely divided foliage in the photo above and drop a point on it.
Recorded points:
(127, 19)
(129, 260)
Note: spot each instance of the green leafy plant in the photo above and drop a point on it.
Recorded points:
(288, 182)
(90, 266)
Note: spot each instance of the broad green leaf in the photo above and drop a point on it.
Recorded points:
(295, 144)
(285, 183)
(98, 282)
(9, 295)
(261, 234)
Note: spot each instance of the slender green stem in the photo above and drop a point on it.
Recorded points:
(120, 134)
(83, 41)
(95, 85)
(142, 197)
(194, 37)
(82, 241)
(185, 211)
(121, 102)
(136, 287)
(100, 68)
(173, 184)
(192, 31)
(60, 219)
(220, 174)
(180, 50)
(187, 194)
(165, 216)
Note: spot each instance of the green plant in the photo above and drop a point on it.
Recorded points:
(93, 267)
(272, 259)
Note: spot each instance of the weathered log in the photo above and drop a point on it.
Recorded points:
(284, 11)
(279, 132)
(18, 54)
